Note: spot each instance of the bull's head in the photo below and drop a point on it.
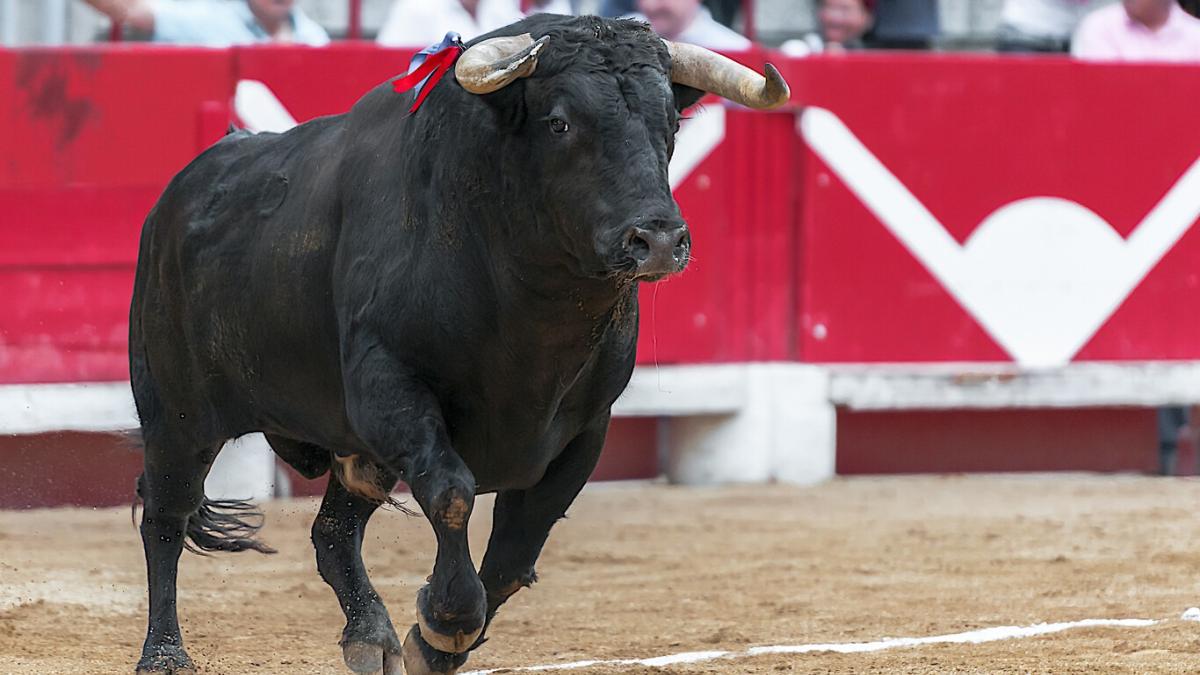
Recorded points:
(597, 119)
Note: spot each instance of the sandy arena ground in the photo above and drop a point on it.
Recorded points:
(647, 570)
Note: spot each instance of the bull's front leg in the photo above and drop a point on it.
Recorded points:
(450, 609)
(401, 421)
(522, 518)
(521, 523)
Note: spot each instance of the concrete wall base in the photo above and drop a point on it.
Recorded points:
(740, 423)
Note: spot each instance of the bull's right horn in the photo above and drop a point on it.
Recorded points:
(708, 71)
(494, 64)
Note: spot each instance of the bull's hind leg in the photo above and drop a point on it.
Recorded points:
(369, 642)
(174, 508)
(172, 489)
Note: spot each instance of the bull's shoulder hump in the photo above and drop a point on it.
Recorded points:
(245, 157)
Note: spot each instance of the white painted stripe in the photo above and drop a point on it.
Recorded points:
(1167, 221)
(970, 637)
(697, 138)
(686, 657)
(259, 109)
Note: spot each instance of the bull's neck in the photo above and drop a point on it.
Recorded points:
(561, 307)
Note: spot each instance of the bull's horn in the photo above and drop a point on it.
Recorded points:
(494, 64)
(708, 71)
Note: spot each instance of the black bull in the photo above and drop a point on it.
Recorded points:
(447, 298)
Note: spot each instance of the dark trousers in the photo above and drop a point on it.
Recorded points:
(1012, 41)
(911, 44)
(1170, 420)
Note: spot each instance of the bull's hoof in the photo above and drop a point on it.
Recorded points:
(166, 660)
(422, 659)
(455, 643)
(369, 645)
(361, 657)
(452, 634)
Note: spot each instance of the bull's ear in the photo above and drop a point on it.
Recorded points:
(685, 96)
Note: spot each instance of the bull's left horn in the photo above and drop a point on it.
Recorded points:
(494, 64)
(708, 71)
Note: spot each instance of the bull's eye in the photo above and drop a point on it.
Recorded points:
(558, 125)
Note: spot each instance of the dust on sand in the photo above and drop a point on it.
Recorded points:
(646, 570)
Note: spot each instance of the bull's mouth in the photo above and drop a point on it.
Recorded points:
(648, 271)
(652, 275)
(652, 278)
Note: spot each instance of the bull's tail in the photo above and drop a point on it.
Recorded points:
(225, 525)
(218, 525)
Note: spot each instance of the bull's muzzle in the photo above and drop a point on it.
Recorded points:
(659, 249)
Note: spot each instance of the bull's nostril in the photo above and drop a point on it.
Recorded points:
(638, 247)
(657, 250)
(684, 240)
(682, 245)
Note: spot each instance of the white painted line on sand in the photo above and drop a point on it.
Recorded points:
(970, 637)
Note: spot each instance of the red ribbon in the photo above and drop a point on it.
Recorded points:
(437, 64)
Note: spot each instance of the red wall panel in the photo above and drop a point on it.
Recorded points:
(68, 469)
(929, 441)
(967, 136)
(105, 115)
(734, 300)
(89, 138)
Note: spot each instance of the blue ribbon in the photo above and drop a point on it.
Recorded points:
(452, 39)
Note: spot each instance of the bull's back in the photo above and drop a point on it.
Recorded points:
(232, 300)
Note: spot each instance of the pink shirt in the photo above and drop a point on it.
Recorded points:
(1109, 34)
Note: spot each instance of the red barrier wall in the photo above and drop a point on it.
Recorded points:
(792, 260)
(790, 263)
(91, 136)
